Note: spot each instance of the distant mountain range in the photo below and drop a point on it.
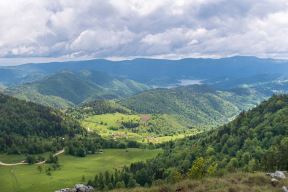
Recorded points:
(158, 72)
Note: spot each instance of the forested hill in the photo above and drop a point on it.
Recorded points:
(256, 140)
(199, 105)
(68, 88)
(21, 120)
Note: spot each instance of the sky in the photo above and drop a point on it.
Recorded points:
(120, 29)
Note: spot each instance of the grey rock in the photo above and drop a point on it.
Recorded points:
(280, 175)
(83, 188)
(78, 188)
(285, 189)
(277, 174)
(274, 182)
(63, 190)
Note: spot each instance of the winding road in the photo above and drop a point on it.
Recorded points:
(24, 163)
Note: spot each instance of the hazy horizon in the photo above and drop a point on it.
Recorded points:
(6, 62)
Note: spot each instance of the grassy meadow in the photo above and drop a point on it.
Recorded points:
(154, 128)
(27, 178)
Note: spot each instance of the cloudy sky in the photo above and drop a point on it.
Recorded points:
(74, 29)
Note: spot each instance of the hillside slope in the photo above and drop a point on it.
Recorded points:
(66, 88)
(27, 126)
(199, 105)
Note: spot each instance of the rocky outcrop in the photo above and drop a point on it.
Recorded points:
(78, 188)
(277, 175)
(274, 182)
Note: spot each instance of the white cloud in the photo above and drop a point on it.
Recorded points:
(100, 40)
(173, 40)
(131, 28)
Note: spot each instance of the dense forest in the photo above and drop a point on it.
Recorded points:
(29, 119)
(32, 128)
(255, 140)
(28, 128)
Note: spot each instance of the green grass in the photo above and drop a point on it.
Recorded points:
(102, 123)
(163, 139)
(106, 125)
(155, 128)
(26, 178)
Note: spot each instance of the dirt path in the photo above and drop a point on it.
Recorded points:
(12, 164)
(23, 162)
(59, 152)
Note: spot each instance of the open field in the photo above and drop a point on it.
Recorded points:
(27, 178)
(154, 128)
(111, 125)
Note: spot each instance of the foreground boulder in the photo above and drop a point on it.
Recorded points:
(78, 188)
(277, 174)
(274, 182)
(83, 188)
(285, 189)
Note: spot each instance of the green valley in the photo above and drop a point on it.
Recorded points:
(161, 115)
(72, 170)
